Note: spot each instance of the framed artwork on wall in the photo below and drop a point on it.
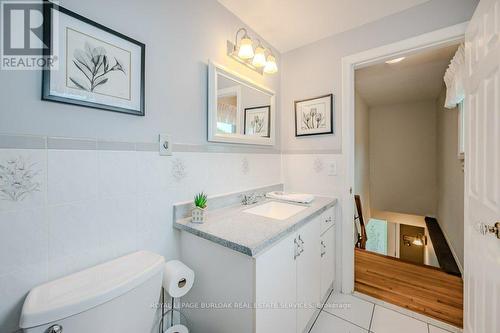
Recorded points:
(314, 116)
(96, 67)
(257, 120)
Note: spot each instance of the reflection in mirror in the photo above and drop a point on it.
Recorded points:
(239, 111)
(228, 99)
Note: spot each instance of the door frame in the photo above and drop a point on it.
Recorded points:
(431, 40)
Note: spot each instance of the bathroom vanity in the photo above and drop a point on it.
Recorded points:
(260, 268)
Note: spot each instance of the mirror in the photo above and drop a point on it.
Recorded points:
(239, 110)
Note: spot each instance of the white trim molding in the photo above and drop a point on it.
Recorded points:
(214, 70)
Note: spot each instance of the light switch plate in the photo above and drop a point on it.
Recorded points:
(165, 145)
(332, 168)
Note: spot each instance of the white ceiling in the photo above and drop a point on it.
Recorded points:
(417, 78)
(288, 24)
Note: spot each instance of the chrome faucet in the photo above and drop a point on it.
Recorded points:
(251, 198)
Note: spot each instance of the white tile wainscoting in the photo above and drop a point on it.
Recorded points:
(311, 173)
(89, 206)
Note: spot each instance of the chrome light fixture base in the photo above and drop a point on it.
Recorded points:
(232, 52)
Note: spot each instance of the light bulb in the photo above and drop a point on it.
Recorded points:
(246, 48)
(259, 60)
(271, 66)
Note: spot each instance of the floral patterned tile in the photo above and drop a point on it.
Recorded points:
(23, 178)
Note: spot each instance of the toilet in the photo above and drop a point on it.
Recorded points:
(118, 296)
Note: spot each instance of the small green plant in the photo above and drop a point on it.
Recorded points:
(200, 200)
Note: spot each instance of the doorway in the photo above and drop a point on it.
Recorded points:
(408, 167)
(438, 39)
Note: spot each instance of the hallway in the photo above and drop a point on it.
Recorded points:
(419, 288)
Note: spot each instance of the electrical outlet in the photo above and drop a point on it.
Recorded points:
(165, 145)
(332, 168)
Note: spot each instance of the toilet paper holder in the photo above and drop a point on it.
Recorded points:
(178, 279)
(172, 316)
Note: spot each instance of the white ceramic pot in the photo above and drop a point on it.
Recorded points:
(198, 215)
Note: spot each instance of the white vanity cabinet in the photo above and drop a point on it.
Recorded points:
(299, 270)
(276, 286)
(327, 242)
(276, 290)
(308, 273)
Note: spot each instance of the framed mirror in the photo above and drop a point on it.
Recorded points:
(239, 110)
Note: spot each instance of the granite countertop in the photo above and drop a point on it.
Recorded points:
(248, 233)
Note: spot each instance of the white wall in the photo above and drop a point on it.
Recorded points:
(362, 156)
(450, 210)
(403, 158)
(315, 70)
(180, 38)
(95, 205)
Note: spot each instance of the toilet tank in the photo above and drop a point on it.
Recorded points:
(116, 296)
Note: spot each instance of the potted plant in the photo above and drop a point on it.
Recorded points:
(200, 205)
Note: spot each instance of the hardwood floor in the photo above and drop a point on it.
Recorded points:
(419, 288)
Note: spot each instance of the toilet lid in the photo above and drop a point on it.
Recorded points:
(84, 290)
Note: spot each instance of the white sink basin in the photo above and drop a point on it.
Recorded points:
(275, 210)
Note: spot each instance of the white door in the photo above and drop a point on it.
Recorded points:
(276, 284)
(308, 273)
(327, 261)
(482, 170)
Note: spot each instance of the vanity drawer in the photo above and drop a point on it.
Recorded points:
(327, 219)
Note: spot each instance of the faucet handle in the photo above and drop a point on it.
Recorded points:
(250, 198)
(246, 198)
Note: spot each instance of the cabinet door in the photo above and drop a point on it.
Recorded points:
(327, 260)
(308, 273)
(276, 284)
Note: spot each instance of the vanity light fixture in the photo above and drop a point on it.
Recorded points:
(395, 61)
(260, 59)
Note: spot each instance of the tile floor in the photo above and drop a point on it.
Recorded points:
(362, 314)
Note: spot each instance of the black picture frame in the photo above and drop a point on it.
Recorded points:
(331, 116)
(268, 107)
(47, 39)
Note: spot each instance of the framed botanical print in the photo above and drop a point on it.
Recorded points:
(257, 121)
(314, 116)
(96, 67)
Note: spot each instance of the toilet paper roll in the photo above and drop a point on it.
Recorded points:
(177, 278)
(177, 329)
